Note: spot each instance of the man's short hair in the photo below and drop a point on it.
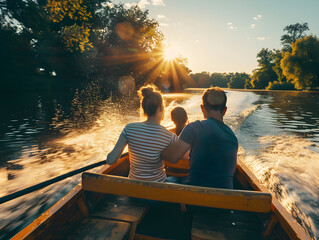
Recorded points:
(214, 98)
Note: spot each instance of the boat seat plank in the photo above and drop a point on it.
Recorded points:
(100, 229)
(120, 208)
(177, 193)
(207, 226)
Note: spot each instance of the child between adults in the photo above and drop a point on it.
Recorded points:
(180, 119)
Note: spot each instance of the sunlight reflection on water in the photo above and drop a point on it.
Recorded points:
(279, 145)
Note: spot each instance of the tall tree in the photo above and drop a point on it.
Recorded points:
(264, 58)
(265, 73)
(301, 67)
(276, 57)
(293, 33)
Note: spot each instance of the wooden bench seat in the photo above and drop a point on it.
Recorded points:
(203, 226)
(176, 193)
(100, 229)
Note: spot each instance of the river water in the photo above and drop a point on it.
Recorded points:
(278, 133)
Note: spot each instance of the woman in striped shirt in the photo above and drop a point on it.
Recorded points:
(146, 140)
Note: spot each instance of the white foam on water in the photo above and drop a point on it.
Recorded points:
(286, 165)
(288, 168)
(37, 163)
(240, 106)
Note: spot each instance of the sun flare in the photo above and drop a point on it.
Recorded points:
(170, 53)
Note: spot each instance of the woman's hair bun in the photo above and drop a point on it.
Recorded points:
(151, 99)
(147, 91)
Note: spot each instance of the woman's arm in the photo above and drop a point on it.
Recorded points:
(175, 151)
(114, 155)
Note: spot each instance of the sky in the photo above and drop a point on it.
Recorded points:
(226, 35)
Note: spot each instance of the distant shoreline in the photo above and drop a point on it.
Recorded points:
(252, 90)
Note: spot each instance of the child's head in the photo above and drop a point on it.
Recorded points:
(179, 117)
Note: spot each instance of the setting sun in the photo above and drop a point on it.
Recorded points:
(170, 53)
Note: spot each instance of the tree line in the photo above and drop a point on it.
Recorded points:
(50, 45)
(294, 67)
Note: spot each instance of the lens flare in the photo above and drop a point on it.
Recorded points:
(170, 53)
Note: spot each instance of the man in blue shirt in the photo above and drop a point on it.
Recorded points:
(213, 145)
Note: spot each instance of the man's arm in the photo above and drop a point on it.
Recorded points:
(114, 155)
(175, 151)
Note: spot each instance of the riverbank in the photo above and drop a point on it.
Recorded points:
(254, 90)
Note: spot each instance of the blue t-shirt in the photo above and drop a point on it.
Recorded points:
(213, 154)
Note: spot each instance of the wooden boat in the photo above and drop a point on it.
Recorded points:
(108, 205)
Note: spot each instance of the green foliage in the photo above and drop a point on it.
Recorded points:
(301, 67)
(219, 80)
(248, 84)
(277, 56)
(202, 79)
(224, 80)
(79, 41)
(293, 33)
(264, 58)
(18, 61)
(238, 80)
(132, 28)
(265, 73)
(280, 86)
(261, 77)
(72, 9)
(271, 72)
(75, 36)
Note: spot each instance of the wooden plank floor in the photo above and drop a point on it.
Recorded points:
(225, 224)
(100, 229)
(120, 208)
(165, 221)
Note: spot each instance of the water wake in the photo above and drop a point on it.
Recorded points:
(79, 145)
(289, 169)
(286, 164)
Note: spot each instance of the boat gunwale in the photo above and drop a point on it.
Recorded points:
(76, 193)
(289, 224)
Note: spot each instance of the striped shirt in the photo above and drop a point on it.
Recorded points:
(145, 144)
